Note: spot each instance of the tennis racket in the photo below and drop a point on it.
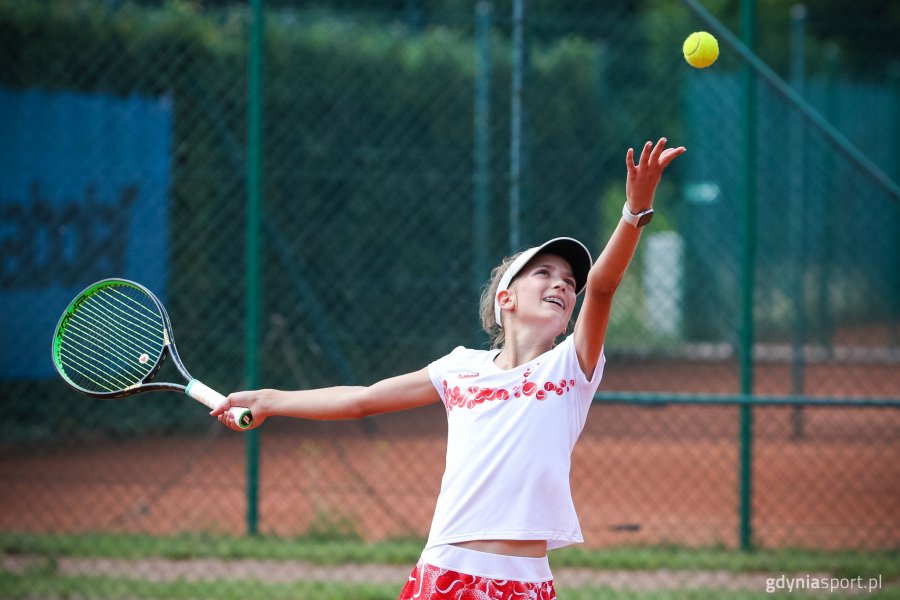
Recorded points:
(112, 340)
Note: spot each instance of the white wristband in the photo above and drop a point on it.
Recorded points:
(636, 220)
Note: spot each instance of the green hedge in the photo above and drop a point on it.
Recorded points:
(368, 164)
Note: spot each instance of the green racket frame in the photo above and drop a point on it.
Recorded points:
(166, 347)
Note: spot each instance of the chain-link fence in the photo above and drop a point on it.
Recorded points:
(751, 392)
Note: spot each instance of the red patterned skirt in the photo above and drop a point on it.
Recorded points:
(428, 582)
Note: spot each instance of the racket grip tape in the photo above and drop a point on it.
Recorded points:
(201, 392)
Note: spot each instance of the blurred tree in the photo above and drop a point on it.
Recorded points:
(866, 33)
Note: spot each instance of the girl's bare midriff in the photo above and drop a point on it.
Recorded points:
(527, 548)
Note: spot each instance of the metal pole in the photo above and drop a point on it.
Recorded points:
(829, 202)
(748, 269)
(690, 398)
(516, 116)
(254, 201)
(482, 182)
(893, 76)
(797, 214)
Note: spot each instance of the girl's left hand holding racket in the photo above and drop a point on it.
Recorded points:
(247, 400)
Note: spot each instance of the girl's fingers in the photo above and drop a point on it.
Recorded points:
(656, 155)
(669, 155)
(645, 154)
(657, 150)
(629, 163)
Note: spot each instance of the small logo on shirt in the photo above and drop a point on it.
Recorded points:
(468, 375)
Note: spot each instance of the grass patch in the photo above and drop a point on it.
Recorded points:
(406, 552)
(43, 585)
(840, 564)
(197, 545)
(44, 580)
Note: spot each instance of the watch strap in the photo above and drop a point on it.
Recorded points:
(639, 219)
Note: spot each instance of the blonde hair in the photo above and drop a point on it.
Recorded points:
(488, 294)
(496, 334)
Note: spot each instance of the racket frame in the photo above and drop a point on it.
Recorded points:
(202, 393)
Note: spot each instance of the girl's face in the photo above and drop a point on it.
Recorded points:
(545, 291)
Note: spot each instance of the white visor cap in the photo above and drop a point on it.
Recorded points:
(570, 249)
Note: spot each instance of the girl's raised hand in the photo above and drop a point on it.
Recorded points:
(642, 179)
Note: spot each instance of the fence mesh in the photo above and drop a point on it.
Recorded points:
(393, 181)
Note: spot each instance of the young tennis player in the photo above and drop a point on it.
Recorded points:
(514, 412)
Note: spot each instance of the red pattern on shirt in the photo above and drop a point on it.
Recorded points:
(473, 395)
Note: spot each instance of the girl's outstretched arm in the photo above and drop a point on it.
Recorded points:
(343, 402)
(610, 267)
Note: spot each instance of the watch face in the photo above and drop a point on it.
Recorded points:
(645, 218)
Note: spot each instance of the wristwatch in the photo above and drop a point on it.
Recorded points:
(637, 220)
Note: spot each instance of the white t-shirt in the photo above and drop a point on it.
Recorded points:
(509, 446)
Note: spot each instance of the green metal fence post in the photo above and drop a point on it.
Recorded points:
(797, 213)
(254, 200)
(482, 179)
(829, 225)
(893, 77)
(748, 264)
(517, 118)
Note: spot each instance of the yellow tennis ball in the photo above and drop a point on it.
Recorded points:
(700, 49)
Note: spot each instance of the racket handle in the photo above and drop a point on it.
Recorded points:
(201, 392)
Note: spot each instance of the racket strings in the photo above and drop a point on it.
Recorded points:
(90, 344)
(89, 352)
(106, 361)
(113, 339)
(116, 331)
(127, 335)
(105, 370)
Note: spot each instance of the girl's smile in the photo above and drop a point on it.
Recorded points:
(547, 282)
